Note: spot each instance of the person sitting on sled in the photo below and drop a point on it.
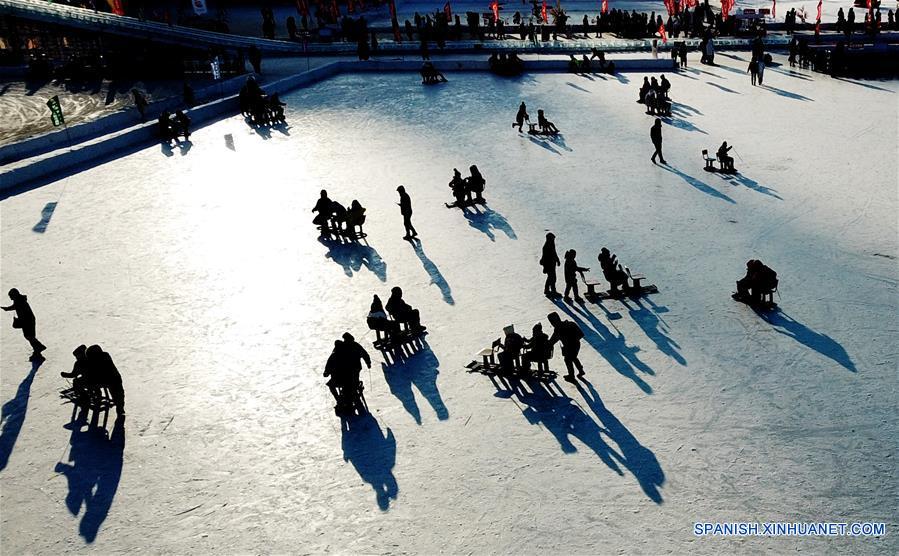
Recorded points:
(759, 279)
(546, 126)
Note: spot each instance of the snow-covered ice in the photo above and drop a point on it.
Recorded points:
(201, 274)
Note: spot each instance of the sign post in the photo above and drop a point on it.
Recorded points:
(56, 116)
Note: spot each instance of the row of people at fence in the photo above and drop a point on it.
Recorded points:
(517, 352)
(172, 126)
(396, 317)
(334, 217)
(258, 107)
(94, 370)
(468, 190)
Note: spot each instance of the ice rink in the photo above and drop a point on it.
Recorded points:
(200, 272)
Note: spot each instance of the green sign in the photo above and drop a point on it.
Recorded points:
(55, 111)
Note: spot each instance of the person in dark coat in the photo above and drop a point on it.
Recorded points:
(569, 334)
(758, 280)
(354, 355)
(611, 271)
(405, 205)
(512, 347)
(521, 116)
(727, 161)
(104, 371)
(655, 133)
(25, 320)
(538, 347)
(549, 260)
(401, 311)
(183, 123)
(82, 382)
(546, 126)
(458, 187)
(323, 208)
(571, 270)
(334, 370)
(476, 183)
(377, 318)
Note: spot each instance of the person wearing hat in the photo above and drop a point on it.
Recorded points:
(25, 320)
(549, 260)
(569, 334)
(405, 205)
(511, 349)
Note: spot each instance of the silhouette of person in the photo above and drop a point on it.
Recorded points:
(521, 116)
(405, 205)
(106, 374)
(571, 269)
(183, 123)
(759, 279)
(401, 311)
(377, 318)
(655, 133)
(353, 356)
(334, 369)
(511, 349)
(538, 347)
(458, 186)
(727, 161)
(323, 208)
(476, 183)
(609, 265)
(545, 125)
(549, 260)
(25, 320)
(569, 334)
(83, 383)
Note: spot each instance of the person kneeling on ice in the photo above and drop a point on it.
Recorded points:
(759, 279)
(402, 312)
(727, 161)
(611, 270)
(546, 126)
(569, 334)
(377, 319)
(571, 270)
(323, 208)
(539, 349)
(475, 184)
(511, 349)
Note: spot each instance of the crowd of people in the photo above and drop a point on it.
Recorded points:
(334, 218)
(517, 353)
(260, 109)
(612, 270)
(654, 95)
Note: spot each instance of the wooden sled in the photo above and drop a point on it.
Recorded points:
(400, 339)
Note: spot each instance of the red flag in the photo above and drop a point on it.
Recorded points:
(350, 8)
(116, 7)
(774, 9)
(726, 5)
(663, 33)
(392, 9)
(494, 7)
(335, 10)
(546, 19)
(605, 7)
(669, 5)
(691, 3)
(869, 5)
(448, 12)
(819, 9)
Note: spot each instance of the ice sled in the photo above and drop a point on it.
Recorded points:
(635, 289)
(710, 164)
(488, 365)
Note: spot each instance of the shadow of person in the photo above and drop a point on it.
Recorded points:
(725, 89)
(740, 179)
(822, 343)
(559, 141)
(565, 421)
(46, 215)
(787, 94)
(700, 185)
(352, 256)
(372, 454)
(654, 328)
(436, 276)
(613, 348)
(419, 370)
(638, 459)
(12, 415)
(487, 221)
(94, 471)
(543, 144)
(683, 124)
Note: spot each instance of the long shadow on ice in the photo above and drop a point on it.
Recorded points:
(352, 256)
(745, 181)
(787, 94)
(822, 343)
(487, 221)
(94, 471)
(436, 276)
(612, 347)
(46, 215)
(419, 370)
(637, 458)
(373, 454)
(698, 184)
(13, 415)
(655, 328)
(725, 89)
(544, 145)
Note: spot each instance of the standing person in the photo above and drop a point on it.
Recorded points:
(405, 205)
(549, 260)
(682, 51)
(655, 133)
(104, 371)
(521, 116)
(355, 354)
(571, 270)
(569, 334)
(761, 68)
(183, 123)
(140, 102)
(710, 52)
(753, 70)
(25, 320)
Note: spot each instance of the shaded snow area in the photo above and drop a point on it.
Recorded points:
(200, 272)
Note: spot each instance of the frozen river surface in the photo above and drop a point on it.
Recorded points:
(200, 272)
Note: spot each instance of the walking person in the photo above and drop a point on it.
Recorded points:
(753, 70)
(405, 205)
(549, 260)
(569, 334)
(521, 116)
(25, 320)
(761, 67)
(571, 271)
(655, 133)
